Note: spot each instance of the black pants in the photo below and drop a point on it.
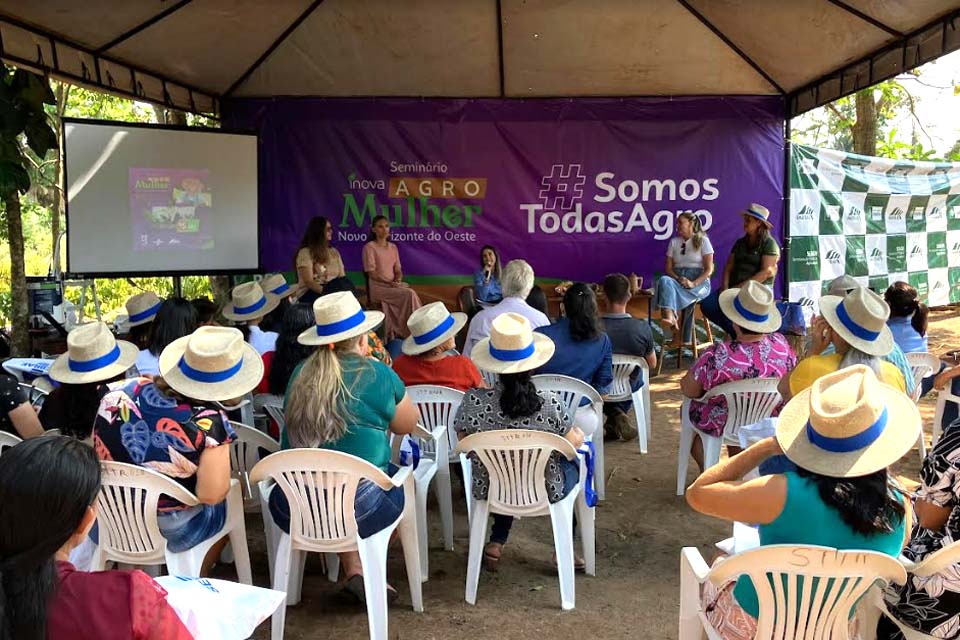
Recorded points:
(343, 283)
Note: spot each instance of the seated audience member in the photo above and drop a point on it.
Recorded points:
(249, 305)
(908, 317)
(583, 350)
(426, 355)
(755, 350)
(931, 605)
(141, 309)
(174, 426)
(537, 299)
(17, 415)
(856, 327)
(842, 434)
(48, 489)
(515, 403)
(948, 379)
(686, 278)
(517, 283)
(175, 319)
(93, 358)
(842, 285)
(207, 311)
(279, 364)
(486, 279)
(340, 399)
(628, 336)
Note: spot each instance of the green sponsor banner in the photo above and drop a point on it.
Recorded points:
(874, 205)
(953, 213)
(896, 253)
(856, 258)
(917, 214)
(804, 259)
(953, 277)
(879, 283)
(937, 249)
(831, 214)
(921, 282)
(803, 169)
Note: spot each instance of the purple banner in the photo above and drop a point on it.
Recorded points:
(579, 187)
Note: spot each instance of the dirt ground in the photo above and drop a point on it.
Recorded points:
(640, 529)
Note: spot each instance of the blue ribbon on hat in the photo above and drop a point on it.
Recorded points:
(143, 315)
(512, 355)
(250, 309)
(208, 376)
(589, 455)
(851, 443)
(333, 328)
(747, 314)
(281, 289)
(856, 329)
(85, 366)
(436, 332)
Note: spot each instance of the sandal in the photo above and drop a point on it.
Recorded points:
(579, 564)
(354, 587)
(491, 555)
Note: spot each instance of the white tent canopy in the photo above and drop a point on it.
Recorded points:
(190, 54)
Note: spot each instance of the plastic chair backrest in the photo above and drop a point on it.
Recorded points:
(748, 402)
(935, 562)
(623, 366)
(320, 487)
(437, 406)
(571, 390)
(922, 365)
(245, 454)
(791, 605)
(276, 414)
(8, 440)
(35, 396)
(127, 510)
(515, 460)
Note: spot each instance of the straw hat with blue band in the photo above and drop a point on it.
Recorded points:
(752, 307)
(274, 284)
(249, 302)
(759, 212)
(860, 318)
(142, 308)
(338, 317)
(212, 363)
(512, 347)
(93, 355)
(430, 326)
(848, 424)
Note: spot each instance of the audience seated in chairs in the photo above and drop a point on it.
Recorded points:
(174, 425)
(628, 336)
(249, 306)
(175, 319)
(207, 311)
(141, 310)
(341, 399)
(537, 299)
(427, 353)
(517, 284)
(278, 365)
(17, 415)
(755, 350)
(93, 359)
(48, 489)
(908, 324)
(842, 434)
(513, 351)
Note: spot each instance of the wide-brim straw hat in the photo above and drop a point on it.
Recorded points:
(93, 355)
(249, 302)
(842, 286)
(512, 347)
(759, 212)
(860, 318)
(848, 424)
(431, 325)
(752, 307)
(274, 284)
(212, 363)
(338, 316)
(142, 308)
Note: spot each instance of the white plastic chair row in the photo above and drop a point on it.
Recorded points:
(922, 365)
(748, 402)
(622, 391)
(244, 456)
(944, 396)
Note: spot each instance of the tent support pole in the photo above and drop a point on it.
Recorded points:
(786, 203)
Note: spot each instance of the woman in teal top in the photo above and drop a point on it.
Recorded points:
(341, 399)
(842, 434)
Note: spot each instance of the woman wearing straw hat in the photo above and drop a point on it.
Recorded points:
(753, 257)
(856, 326)
(94, 357)
(426, 355)
(513, 351)
(141, 308)
(754, 350)
(841, 433)
(318, 265)
(175, 319)
(249, 305)
(342, 400)
(174, 426)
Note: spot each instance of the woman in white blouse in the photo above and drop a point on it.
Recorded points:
(686, 278)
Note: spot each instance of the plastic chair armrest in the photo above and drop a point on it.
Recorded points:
(692, 558)
(400, 477)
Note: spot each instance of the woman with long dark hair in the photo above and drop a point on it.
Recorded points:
(486, 279)
(842, 434)
(515, 403)
(908, 317)
(319, 266)
(48, 493)
(278, 365)
(176, 318)
(381, 263)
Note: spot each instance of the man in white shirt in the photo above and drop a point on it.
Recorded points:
(516, 282)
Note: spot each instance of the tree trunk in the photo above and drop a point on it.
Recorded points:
(865, 128)
(220, 287)
(62, 92)
(20, 318)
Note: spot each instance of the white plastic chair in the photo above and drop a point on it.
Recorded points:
(8, 440)
(621, 391)
(276, 414)
(819, 613)
(244, 455)
(748, 402)
(320, 487)
(51, 432)
(921, 365)
(572, 391)
(35, 395)
(944, 396)
(515, 460)
(128, 530)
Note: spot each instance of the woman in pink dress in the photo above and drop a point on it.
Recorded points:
(381, 263)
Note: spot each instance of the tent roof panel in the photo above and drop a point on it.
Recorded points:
(91, 23)
(903, 16)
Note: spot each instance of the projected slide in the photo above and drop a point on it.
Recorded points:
(144, 200)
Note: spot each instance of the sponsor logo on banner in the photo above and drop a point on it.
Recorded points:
(806, 213)
(854, 214)
(916, 251)
(935, 214)
(807, 302)
(833, 256)
(897, 214)
(876, 254)
(876, 213)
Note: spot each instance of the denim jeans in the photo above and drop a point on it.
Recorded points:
(671, 294)
(500, 530)
(185, 528)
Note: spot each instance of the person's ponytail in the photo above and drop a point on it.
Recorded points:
(919, 319)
